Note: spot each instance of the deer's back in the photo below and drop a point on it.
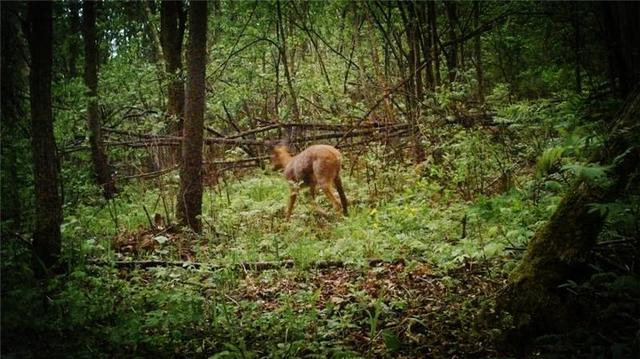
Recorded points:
(317, 164)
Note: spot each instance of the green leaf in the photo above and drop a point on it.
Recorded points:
(549, 158)
(391, 341)
(591, 173)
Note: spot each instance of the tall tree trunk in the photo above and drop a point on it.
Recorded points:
(477, 49)
(433, 30)
(98, 156)
(414, 36)
(560, 247)
(172, 26)
(285, 63)
(414, 85)
(426, 43)
(48, 213)
(577, 46)
(622, 37)
(74, 38)
(452, 53)
(276, 98)
(10, 116)
(190, 192)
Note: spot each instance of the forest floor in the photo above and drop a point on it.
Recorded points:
(401, 280)
(413, 271)
(411, 311)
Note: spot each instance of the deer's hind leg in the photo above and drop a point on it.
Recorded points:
(328, 191)
(314, 205)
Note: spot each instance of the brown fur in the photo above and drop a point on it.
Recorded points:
(316, 166)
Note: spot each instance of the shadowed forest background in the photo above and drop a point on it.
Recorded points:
(490, 157)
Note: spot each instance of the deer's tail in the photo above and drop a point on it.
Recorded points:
(343, 198)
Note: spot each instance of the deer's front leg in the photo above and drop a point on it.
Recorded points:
(293, 194)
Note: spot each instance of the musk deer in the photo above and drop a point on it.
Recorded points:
(316, 166)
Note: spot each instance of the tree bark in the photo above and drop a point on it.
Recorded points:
(11, 70)
(477, 49)
(621, 22)
(414, 85)
(172, 26)
(74, 40)
(285, 63)
(48, 211)
(452, 54)
(433, 31)
(190, 193)
(577, 46)
(559, 249)
(426, 43)
(98, 156)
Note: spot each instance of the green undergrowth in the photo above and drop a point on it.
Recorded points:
(244, 223)
(448, 230)
(443, 282)
(228, 314)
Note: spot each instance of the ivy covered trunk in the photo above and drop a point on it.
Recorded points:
(48, 213)
(559, 249)
(190, 194)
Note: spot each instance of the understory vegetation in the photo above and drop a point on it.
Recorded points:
(416, 258)
(446, 186)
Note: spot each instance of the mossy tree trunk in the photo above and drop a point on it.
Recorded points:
(560, 248)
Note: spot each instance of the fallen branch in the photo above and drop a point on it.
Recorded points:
(149, 174)
(154, 140)
(231, 162)
(226, 165)
(244, 266)
(255, 130)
